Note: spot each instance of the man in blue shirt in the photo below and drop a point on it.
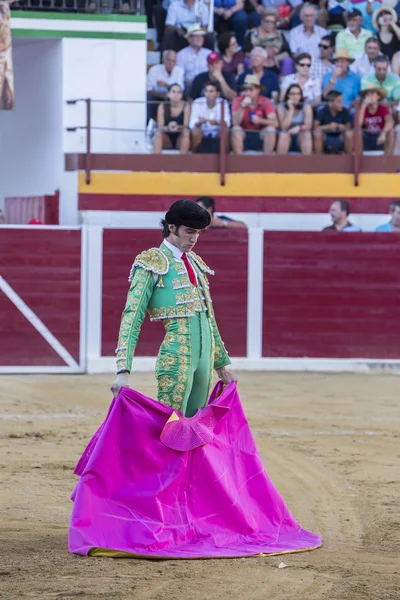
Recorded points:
(341, 79)
(394, 223)
(269, 80)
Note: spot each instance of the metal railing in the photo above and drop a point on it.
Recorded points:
(89, 6)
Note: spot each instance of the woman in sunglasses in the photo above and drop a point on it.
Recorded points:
(385, 21)
(310, 86)
(295, 122)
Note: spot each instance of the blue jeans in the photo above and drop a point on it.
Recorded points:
(238, 23)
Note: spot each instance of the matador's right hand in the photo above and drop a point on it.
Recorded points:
(121, 381)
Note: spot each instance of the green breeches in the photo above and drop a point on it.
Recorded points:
(185, 364)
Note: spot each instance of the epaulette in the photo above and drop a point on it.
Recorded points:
(201, 264)
(151, 260)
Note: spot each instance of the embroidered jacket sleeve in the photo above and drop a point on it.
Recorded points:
(147, 266)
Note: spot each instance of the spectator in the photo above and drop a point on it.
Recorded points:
(221, 221)
(193, 59)
(226, 81)
(182, 16)
(396, 63)
(382, 78)
(332, 14)
(341, 79)
(364, 62)
(295, 120)
(323, 65)
(307, 36)
(385, 21)
(232, 57)
(394, 223)
(159, 12)
(205, 119)
(287, 10)
(354, 37)
(332, 127)
(268, 79)
(339, 211)
(159, 78)
(231, 14)
(311, 87)
(2, 218)
(254, 119)
(376, 122)
(172, 122)
(273, 41)
(366, 8)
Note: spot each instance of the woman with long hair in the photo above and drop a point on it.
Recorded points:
(232, 56)
(295, 122)
(310, 86)
(172, 122)
(385, 21)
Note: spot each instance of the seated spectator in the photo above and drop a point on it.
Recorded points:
(226, 81)
(385, 21)
(307, 36)
(183, 15)
(172, 122)
(254, 119)
(332, 14)
(332, 127)
(339, 211)
(394, 223)
(230, 14)
(311, 87)
(364, 63)
(367, 9)
(269, 80)
(295, 120)
(232, 57)
(382, 78)
(193, 59)
(323, 65)
(205, 119)
(221, 221)
(376, 121)
(159, 79)
(341, 79)
(354, 37)
(287, 11)
(273, 41)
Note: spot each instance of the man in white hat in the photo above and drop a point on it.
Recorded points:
(341, 79)
(376, 121)
(181, 15)
(193, 58)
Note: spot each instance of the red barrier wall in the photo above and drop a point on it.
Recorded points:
(44, 268)
(223, 251)
(331, 295)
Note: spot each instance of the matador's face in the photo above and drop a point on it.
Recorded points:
(183, 237)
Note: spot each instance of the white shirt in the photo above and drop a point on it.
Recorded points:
(200, 110)
(192, 62)
(299, 41)
(159, 73)
(362, 66)
(177, 254)
(180, 15)
(311, 88)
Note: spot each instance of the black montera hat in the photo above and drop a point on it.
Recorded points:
(189, 214)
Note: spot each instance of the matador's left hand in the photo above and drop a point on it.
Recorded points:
(225, 376)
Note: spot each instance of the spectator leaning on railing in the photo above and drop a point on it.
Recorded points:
(254, 119)
(341, 79)
(295, 119)
(332, 127)
(214, 72)
(364, 63)
(205, 119)
(375, 121)
(353, 38)
(393, 225)
(269, 80)
(172, 122)
(382, 78)
(221, 220)
(339, 211)
(159, 78)
(311, 87)
(307, 36)
(193, 59)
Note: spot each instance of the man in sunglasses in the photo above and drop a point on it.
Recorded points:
(322, 65)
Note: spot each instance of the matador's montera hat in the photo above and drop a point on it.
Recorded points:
(189, 214)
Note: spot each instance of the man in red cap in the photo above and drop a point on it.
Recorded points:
(226, 80)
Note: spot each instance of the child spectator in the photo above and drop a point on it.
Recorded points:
(376, 122)
(205, 119)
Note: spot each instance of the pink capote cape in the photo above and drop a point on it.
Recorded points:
(158, 485)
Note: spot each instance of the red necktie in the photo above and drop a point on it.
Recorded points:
(189, 269)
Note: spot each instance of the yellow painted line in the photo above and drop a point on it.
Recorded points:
(242, 184)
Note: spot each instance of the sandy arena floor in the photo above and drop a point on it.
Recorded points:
(330, 443)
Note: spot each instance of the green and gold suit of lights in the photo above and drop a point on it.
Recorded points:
(192, 347)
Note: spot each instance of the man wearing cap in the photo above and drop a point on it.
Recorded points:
(226, 80)
(193, 58)
(254, 119)
(181, 15)
(171, 284)
(353, 38)
(341, 79)
(382, 78)
(376, 122)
